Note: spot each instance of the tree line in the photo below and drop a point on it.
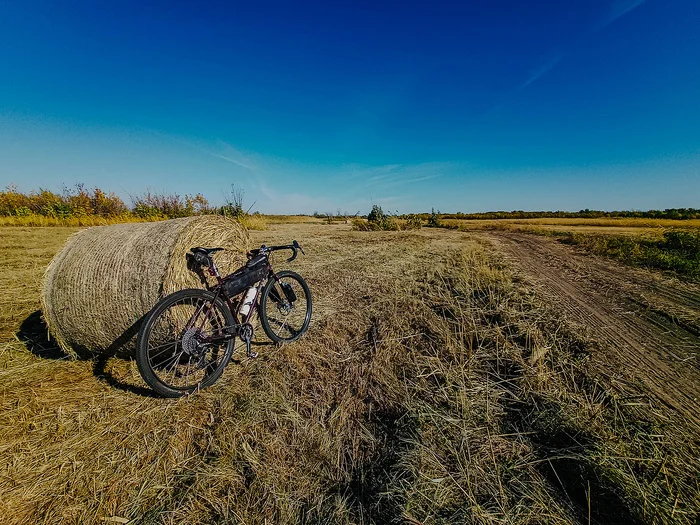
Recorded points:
(669, 213)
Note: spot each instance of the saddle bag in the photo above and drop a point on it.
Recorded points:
(254, 271)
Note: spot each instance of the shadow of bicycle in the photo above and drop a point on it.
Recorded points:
(34, 334)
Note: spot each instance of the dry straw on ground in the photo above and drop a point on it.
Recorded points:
(105, 279)
(434, 386)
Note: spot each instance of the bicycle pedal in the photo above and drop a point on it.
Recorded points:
(248, 350)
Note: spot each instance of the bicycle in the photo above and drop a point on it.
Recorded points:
(188, 338)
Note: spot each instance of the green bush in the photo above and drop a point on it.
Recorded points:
(434, 219)
(377, 220)
(683, 240)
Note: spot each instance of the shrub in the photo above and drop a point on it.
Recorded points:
(378, 220)
(682, 240)
(413, 222)
(360, 224)
(434, 219)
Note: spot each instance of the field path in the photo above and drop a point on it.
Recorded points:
(645, 323)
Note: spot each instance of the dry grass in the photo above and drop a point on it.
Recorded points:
(293, 219)
(432, 387)
(34, 221)
(252, 222)
(645, 227)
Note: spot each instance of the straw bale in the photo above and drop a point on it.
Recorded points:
(97, 289)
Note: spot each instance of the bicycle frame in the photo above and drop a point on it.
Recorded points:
(234, 308)
(200, 326)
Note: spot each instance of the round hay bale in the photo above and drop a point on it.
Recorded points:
(97, 289)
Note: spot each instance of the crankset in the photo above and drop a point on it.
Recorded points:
(246, 332)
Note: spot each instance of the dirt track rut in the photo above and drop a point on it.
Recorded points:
(646, 324)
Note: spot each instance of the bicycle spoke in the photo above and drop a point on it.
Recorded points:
(174, 343)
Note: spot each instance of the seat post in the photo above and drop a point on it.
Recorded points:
(214, 270)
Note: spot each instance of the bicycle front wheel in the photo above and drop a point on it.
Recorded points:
(183, 345)
(285, 307)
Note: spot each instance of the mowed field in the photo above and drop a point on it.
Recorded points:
(447, 377)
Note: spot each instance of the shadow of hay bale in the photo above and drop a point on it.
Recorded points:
(34, 334)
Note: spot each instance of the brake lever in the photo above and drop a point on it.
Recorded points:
(297, 245)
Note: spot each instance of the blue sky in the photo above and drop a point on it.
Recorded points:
(461, 106)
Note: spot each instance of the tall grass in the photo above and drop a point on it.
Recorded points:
(83, 207)
(252, 222)
(677, 250)
(41, 220)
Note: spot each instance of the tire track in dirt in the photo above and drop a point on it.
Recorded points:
(603, 297)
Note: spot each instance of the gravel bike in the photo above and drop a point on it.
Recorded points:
(188, 338)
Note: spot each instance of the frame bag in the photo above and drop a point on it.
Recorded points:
(254, 271)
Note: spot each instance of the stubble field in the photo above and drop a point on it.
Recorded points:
(447, 377)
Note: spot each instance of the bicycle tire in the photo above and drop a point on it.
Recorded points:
(180, 341)
(271, 288)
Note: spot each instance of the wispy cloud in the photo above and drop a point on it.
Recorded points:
(616, 10)
(393, 175)
(543, 69)
(221, 150)
(354, 171)
(267, 179)
(404, 181)
(233, 155)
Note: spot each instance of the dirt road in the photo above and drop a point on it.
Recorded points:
(646, 324)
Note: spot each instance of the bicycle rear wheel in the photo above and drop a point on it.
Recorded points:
(285, 307)
(181, 346)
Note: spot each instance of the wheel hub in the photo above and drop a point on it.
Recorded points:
(284, 307)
